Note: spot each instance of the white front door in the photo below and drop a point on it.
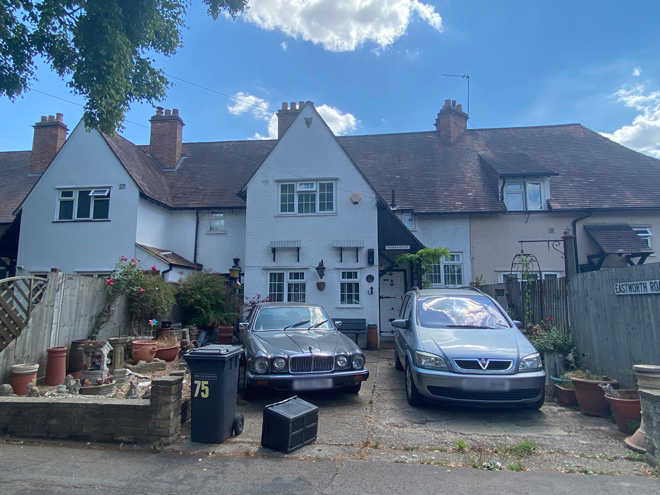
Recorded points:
(392, 290)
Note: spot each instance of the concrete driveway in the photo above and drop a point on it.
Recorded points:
(379, 425)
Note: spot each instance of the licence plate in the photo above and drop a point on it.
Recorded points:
(486, 385)
(312, 384)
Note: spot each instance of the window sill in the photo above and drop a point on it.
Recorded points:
(349, 306)
(211, 232)
(296, 215)
(83, 220)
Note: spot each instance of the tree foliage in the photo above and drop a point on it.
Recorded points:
(423, 260)
(104, 48)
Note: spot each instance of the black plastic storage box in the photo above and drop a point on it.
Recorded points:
(289, 425)
(214, 373)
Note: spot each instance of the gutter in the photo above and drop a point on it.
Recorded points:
(196, 236)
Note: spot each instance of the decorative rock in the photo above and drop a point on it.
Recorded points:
(6, 390)
(33, 390)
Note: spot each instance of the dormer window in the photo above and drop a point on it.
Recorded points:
(523, 195)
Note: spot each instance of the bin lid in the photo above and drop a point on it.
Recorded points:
(214, 352)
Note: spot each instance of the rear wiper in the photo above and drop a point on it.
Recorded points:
(468, 326)
(317, 324)
(296, 324)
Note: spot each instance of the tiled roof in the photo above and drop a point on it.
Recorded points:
(587, 171)
(15, 182)
(167, 256)
(617, 239)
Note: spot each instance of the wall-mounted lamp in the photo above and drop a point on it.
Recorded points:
(320, 269)
(235, 271)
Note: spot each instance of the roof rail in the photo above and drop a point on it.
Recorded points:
(471, 287)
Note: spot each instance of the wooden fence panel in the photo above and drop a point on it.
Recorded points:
(612, 333)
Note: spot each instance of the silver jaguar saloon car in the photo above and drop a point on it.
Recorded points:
(297, 347)
(459, 346)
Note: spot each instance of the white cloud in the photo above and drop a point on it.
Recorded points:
(644, 133)
(342, 25)
(245, 102)
(637, 71)
(284, 46)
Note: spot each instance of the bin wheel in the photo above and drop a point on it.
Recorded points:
(238, 424)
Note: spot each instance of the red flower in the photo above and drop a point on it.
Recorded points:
(110, 282)
(124, 258)
(153, 268)
(141, 290)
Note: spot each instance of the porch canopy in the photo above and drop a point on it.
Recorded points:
(619, 239)
(394, 238)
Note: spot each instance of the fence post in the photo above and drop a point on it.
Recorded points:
(570, 263)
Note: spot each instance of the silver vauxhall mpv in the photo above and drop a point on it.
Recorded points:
(459, 346)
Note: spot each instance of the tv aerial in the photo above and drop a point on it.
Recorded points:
(467, 78)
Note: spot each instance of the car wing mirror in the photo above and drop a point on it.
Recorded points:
(400, 323)
(337, 323)
(518, 324)
(242, 325)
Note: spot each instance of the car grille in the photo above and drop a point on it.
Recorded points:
(511, 395)
(493, 364)
(314, 363)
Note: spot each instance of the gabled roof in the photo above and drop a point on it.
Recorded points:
(15, 182)
(617, 239)
(585, 170)
(168, 256)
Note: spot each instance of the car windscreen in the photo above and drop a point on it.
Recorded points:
(459, 312)
(291, 318)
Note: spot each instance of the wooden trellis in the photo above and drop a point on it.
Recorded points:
(18, 297)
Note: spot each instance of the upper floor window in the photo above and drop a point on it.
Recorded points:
(217, 222)
(645, 234)
(287, 286)
(523, 195)
(408, 220)
(83, 204)
(449, 272)
(306, 198)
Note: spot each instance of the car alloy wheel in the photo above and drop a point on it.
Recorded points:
(412, 394)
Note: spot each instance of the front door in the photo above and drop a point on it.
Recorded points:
(392, 290)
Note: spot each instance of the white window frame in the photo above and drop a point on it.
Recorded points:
(289, 280)
(222, 229)
(344, 281)
(408, 219)
(438, 270)
(96, 195)
(645, 234)
(523, 192)
(303, 188)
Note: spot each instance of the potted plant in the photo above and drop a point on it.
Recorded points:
(626, 407)
(564, 390)
(206, 301)
(554, 344)
(589, 395)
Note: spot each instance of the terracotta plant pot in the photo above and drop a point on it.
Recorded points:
(55, 366)
(590, 396)
(565, 396)
(168, 354)
(143, 350)
(626, 410)
(22, 375)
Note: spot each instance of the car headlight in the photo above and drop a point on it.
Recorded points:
(357, 363)
(341, 362)
(260, 365)
(530, 363)
(430, 361)
(279, 364)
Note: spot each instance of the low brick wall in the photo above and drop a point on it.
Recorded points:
(157, 419)
(651, 411)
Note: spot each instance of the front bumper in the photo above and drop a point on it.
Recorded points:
(480, 389)
(307, 381)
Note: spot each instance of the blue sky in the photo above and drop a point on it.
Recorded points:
(376, 66)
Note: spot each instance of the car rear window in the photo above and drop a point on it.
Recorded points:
(295, 318)
(459, 312)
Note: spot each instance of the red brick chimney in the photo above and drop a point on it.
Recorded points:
(166, 137)
(286, 116)
(451, 122)
(49, 136)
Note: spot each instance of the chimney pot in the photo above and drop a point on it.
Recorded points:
(451, 122)
(175, 111)
(292, 106)
(301, 104)
(59, 117)
(453, 103)
(159, 110)
(51, 118)
(447, 104)
(459, 107)
(310, 103)
(285, 106)
(44, 118)
(168, 112)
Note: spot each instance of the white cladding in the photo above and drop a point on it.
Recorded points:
(86, 161)
(311, 153)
